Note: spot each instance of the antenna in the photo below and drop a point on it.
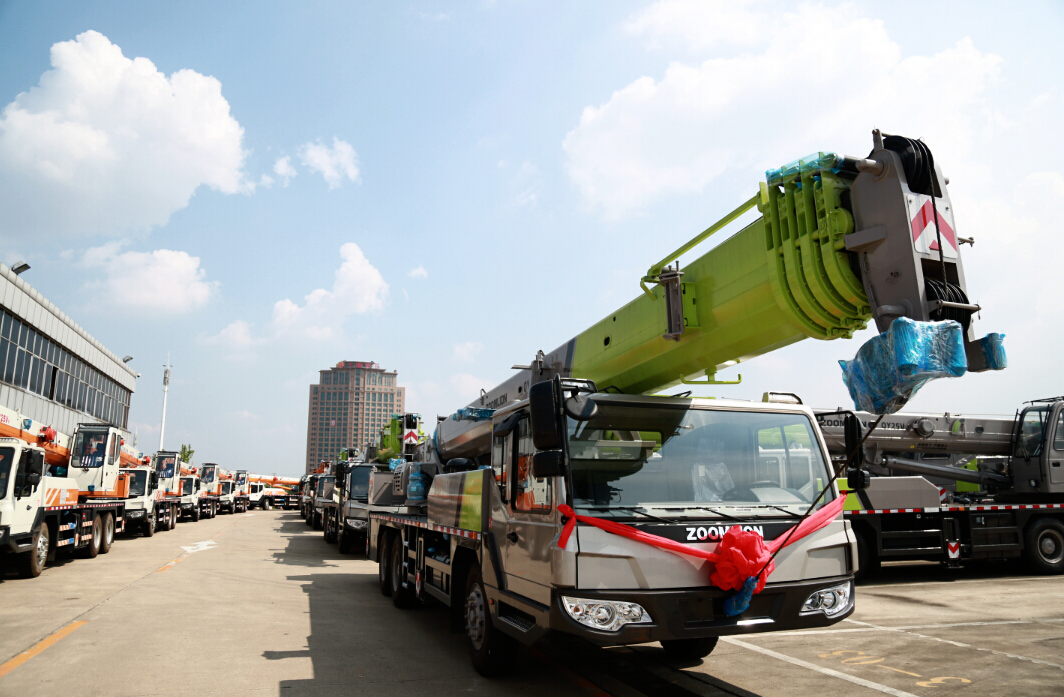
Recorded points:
(166, 390)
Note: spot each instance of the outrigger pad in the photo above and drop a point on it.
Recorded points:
(891, 367)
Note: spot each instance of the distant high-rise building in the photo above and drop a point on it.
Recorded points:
(348, 406)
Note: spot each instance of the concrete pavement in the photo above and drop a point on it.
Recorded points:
(258, 604)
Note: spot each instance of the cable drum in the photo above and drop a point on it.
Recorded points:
(938, 290)
(917, 162)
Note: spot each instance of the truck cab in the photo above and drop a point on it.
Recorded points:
(323, 492)
(679, 468)
(241, 491)
(346, 516)
(226, 496)
(1037, 461)
(147, 508)
(190, 491)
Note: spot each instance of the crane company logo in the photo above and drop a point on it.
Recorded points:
(925, 235)
(4, 419)
(716, 532)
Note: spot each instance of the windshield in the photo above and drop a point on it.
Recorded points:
(241, 478)
(165, 465)
(1032, 432)
(90, 448)
(629, 456)
(227, 488)
(207, 474)
(186, 486)
(358, 483)
(138, 483)
(6, 457)
(324, 486)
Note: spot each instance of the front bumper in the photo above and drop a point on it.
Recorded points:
(693, 614)
(14, 543)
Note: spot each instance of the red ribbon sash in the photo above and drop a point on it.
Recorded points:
(739, 555)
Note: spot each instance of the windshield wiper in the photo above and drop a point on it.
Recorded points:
(635, 510)
(778, 508)
(722, 514)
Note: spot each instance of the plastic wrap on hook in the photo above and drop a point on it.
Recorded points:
(993, 346)
(892, 367)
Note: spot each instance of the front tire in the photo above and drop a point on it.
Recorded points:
(317, 521)
(1044, 546)
(108, 533)
(689, 649)
(31, 563)
(195, 514)
(490, 650)
(867, 560)
(149, 524)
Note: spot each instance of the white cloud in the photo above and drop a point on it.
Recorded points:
(164, 280)
(468, 351)
(334, 163)
(676, 135)
(283, 168)
(265, 181)
(528, 185)
(236, 336)
(467, 387)
(418, 272)
(106, 144)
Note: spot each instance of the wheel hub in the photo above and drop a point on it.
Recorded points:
(475, 617)
(1051, 546)
(42, 549)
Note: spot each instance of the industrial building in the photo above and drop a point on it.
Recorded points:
(53, 371)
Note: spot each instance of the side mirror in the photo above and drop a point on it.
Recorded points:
(544, 402)
(581, 407)
(33, 478)
(857, 479)
(852, 432)
(550, 463)
(35, 467)
(154, 481)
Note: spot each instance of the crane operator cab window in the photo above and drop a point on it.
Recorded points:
(1032, 433)
(1058, 438)
(90, 448)
(631, 456)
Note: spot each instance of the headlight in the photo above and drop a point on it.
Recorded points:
(135, 513)
(357, 523)
(830, 601)
(605, 615)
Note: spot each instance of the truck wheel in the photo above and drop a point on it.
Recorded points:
(344, 542)
(689, 649)
(402, 598)
(490, 650)
(108, 532)
(31, 563)
(1044, 546)
(149, 525)
(383, 561)
(95, 538)
(195, 514)
(317, 521)
(867, 560)
(175, 513)
(266, 505)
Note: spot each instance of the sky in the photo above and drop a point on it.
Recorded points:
(260, 190)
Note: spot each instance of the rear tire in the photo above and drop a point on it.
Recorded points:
(108, 533)
(317, 521)
(175, 513)
(1044, 546)
(345, 541)
(402, 597)
(490, 650)
(383, 563)
(31, 563)
(95, 538)
(149, 525)
(689, 649)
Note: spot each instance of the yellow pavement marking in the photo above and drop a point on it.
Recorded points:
(37, 648)
(915, 675)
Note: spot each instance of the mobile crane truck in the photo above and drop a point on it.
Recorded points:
(345, 519)
(241, 491)
(149, 506)
(1012, 506)
(58, 493)
(489, 527)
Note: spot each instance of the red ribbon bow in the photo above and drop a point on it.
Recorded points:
(739, 555)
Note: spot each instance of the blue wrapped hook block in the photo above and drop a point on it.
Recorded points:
(890, 368)
(993, 346)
